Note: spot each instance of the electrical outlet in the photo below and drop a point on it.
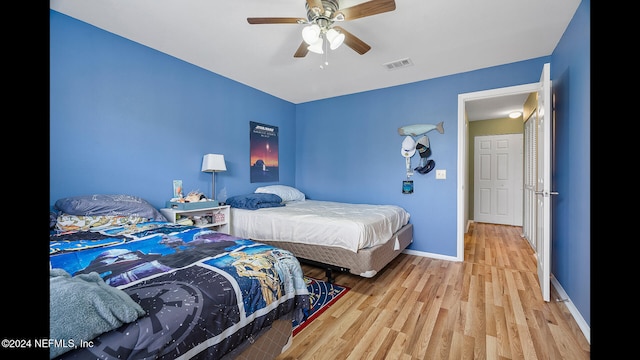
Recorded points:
(441, 174)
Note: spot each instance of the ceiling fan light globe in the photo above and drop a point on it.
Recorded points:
(335, 38)
(316, 47)
(311, 33)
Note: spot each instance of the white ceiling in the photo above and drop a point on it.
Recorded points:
(494, 107)
(439, 37)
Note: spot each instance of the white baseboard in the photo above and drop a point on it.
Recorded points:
(430, 255)
(586, 330)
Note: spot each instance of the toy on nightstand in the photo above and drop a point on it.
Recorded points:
(193, 196)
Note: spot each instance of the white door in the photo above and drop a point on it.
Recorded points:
(498, 179)
(543, 183)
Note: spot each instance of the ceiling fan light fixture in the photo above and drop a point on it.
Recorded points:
(316, 47)
(335, 38)
(311, 33)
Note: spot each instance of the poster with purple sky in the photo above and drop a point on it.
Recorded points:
(263, 152)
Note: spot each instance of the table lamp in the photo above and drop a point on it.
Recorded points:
(213, 163)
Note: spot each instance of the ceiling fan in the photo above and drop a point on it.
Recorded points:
(321, 15)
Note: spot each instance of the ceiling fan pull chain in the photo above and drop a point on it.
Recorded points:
(326, 55)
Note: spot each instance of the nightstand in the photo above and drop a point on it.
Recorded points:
(215, 218)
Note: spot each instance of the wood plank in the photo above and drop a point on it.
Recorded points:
(488, 306)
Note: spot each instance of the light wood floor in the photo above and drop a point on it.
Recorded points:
(487, 307)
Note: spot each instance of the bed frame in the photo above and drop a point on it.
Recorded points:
(366, 262)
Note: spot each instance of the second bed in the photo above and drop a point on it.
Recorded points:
(359, 238)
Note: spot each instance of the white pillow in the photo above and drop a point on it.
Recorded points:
(287, 193)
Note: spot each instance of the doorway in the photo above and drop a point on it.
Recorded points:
(463, 153)
(543, 165)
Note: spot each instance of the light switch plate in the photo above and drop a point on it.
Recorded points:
(441, 174)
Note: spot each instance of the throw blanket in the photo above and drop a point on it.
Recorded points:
(84, 306)
(255, 201)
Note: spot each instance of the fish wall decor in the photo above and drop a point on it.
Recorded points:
(420, 129)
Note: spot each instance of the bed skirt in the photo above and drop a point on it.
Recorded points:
(366, 262)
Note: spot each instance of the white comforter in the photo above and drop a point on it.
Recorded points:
(327, 223)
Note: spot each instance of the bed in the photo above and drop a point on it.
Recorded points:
(133, 286)
(357, 238)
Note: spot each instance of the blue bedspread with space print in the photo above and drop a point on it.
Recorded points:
(204, 292)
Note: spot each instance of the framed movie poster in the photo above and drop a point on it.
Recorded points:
(263, 152)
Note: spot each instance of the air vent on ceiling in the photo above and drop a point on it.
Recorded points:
(398, 64)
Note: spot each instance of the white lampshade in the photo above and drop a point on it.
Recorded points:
(335, 38)
(316, 47)
(213, 163)
(311, 33)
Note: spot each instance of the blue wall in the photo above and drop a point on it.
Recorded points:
(128, 119)
(571, 176)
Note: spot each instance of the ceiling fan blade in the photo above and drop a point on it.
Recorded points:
(275, 20)
(316, 4)
(353, 41)
(303, 50)
(368, 8)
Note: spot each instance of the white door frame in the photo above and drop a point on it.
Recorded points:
(463, 154)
